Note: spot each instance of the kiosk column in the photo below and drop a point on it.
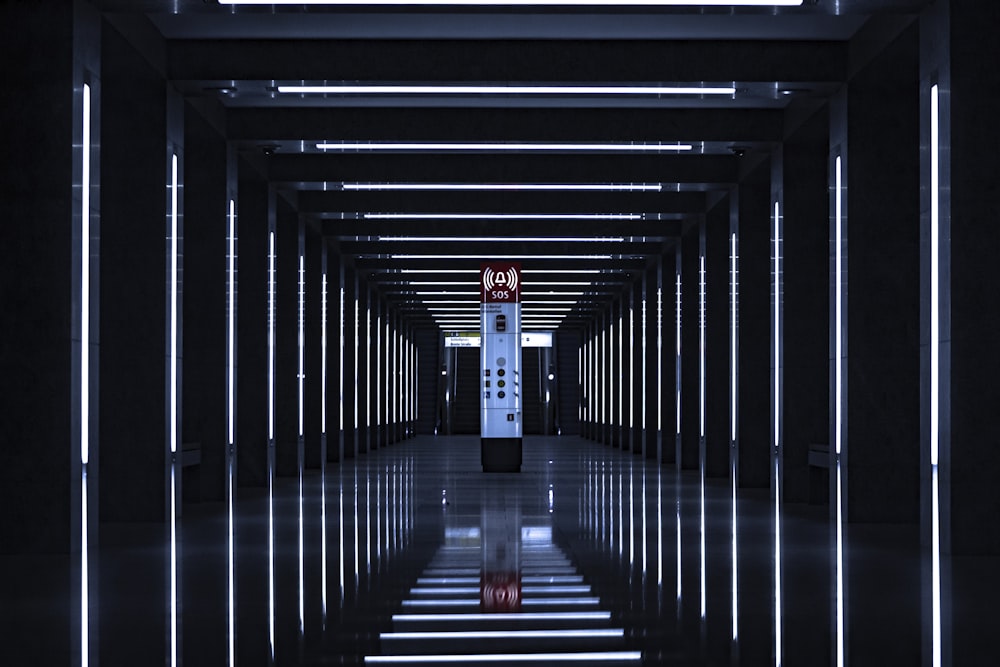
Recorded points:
(500, 377)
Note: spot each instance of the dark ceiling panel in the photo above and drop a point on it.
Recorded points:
(552, 125)
(604, 60)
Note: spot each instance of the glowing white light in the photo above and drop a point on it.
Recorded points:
(777, 328)
(84, 572)
(502, 257)
(503, 216)
(701, 349)
(935, 372)
(734, 560)
(302, 342)
(677, 336)
(507, 187)
(270, 337)
(341, 354)
(732, 341)
(659, 528)
(347, 89)
(323, 336)
(270, 556)
(231, 325)
(506, 634)
(838, 307)
(500, 617)
(504, 147)
(777, 564)
(841, 654)
(505, 658)
(502, 239)
(85, 293)
(232, 560)
(85, 377)
(173, 563)
(527, 3)
(173, 302)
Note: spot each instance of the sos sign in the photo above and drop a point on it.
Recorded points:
(500, 283)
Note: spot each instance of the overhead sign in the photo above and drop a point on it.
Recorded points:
(500, 282)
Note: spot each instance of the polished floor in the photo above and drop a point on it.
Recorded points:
(411, 554)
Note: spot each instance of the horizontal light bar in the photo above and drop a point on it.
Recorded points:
(381, 89)
(440, 271)
(523, 3)
(563, 283)
(536, 602)
(507, 634)
(606, 656)
(418, 293)
(527, 310)
(501, 257)
(500, 239)
(503, 147)
(507, 187)
(560, 271)
(516, 616)
(503, 216)
(443, 282)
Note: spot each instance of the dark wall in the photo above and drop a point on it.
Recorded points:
(36, 275)
(755, 329)
(690, 317)
(883, 370)
(134, 273)
(206, 250)
(717, 298)
(806, 286)
(975, 310)
(567, 380)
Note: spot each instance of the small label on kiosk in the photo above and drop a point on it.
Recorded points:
(501, 323)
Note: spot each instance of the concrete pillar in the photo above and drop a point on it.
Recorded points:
(753, 429)
(251, 324)
(206, 303)
(690, 342)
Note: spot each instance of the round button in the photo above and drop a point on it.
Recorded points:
(501, 361)
(501, 372)
(501, 394)
(501, 383)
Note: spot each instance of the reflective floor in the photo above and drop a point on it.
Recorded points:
(411, 554)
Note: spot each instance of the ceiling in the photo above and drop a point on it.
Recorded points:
(415, 181)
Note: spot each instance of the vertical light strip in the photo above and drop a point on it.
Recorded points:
(659, 353)
(173, 563)
(173, 303)
(777, 437)
(270, 337)
(777, 328)
(935, 373)
(659, 529)
(701, 348)
(341, 354)
(777, 569)
(84, 574)
(838, 336)
(732, 340)
(232, 562)
(323, 555)
(302, 342)
(323, 336)
(621, 367)
(357, 328)
(85, 377)
(368, 365)
(231, 326)
(378, 368)
(85, 289)
(631, 363)
(270, 553)
(677, 359)
(643, 393)
(935, 277)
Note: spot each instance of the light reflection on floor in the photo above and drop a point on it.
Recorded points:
(593, 532)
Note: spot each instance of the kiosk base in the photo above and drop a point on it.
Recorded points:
(501, 454)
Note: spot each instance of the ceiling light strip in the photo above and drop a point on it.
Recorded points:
(502, 147)
(379, 89)
(523, 3)
(505, 187)
(503, 216)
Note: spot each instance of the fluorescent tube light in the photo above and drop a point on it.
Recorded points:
(504, 147)
(523, 3)
(500, 239)
(379, 89)
(503, 257)
(506, 187)
(503, 216)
